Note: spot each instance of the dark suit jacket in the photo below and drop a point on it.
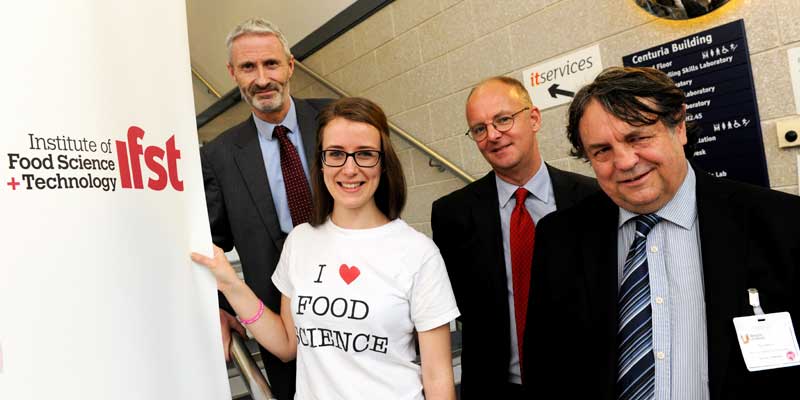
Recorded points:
(466, 228)
(750, 238)
(242, 212)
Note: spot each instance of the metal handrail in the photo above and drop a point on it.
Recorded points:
(251, 375)
(248, 368)
(207, 84)
(400, 131)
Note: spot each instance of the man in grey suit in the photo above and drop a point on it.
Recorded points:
(247, 198)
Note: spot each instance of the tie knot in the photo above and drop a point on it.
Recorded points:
(646, 222)
(280, 132)
(521, 194)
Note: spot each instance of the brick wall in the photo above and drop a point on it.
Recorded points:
(418, 59)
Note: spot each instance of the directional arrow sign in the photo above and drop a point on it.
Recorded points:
(554, 91)
(555, 82)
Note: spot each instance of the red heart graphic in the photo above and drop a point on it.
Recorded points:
(349, 274)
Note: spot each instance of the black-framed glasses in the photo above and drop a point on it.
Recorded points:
(503, 123)
(363, 158)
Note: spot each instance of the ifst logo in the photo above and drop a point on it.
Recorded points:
(129, 156)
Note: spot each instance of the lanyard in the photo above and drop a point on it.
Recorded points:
(754, 301)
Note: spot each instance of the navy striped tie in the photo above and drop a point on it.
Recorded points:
(635, 362)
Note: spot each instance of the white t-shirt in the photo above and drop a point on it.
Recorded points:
(357, 296)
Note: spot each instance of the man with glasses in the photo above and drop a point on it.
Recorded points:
(644, 285)
(485, 232)
(256, 173)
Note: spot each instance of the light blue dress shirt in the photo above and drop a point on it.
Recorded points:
(271, 151)
(680, 342)
(541, 202)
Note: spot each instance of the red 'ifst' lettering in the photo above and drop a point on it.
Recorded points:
(130, 169)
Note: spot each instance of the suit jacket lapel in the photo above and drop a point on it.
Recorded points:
(599, 238)
(601, 250)
(724, 255)
(486, 214)
(307, 119)
(250, 161)
(562, 188)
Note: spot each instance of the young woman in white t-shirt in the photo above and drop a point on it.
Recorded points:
(358, 284)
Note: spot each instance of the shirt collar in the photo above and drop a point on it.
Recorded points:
(681, 210)
(538, 186)
(289, 121)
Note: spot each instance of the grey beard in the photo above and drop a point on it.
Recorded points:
(270, 107)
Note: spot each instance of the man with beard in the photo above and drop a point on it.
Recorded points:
(256, 173)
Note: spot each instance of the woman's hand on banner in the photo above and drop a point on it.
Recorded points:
(219, 266)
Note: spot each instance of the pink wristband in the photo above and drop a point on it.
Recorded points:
(255, 318)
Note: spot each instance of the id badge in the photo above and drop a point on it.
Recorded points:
(767, 341)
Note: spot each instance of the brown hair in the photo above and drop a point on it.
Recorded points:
(637, 96)
(390, 197)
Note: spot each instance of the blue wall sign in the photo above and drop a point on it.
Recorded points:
(713, 69)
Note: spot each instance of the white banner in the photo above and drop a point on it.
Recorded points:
(102, 202)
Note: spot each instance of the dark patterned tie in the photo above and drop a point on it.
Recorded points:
(298, 193)
(635, 361)
(521, 235)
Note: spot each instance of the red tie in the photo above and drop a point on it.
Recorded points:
(294, 179)
(522, 232)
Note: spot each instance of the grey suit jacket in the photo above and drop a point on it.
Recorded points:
(241, 211)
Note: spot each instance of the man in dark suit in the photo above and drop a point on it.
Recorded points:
(246, 186)
(473, 229)
(639, 284)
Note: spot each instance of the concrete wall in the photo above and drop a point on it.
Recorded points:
(418, 59)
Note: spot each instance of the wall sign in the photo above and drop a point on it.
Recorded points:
(794, 70)
(713, 69)
(555, 82)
